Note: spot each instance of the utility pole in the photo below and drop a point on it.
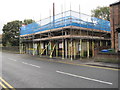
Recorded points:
(53, 14)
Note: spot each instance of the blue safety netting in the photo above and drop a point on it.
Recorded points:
(68, 18)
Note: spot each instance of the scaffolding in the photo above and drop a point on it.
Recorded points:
(69, 18)
(69, 34)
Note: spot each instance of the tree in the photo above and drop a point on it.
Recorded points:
(28, 21)
(102, 13)
(11, 32)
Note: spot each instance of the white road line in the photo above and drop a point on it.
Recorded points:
(11, 59)
(35, 65)
(25, 63)
(84, 77)
(31, 64)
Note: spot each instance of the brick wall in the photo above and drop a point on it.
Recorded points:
(115, 56)
(100, 55)
(115, 23)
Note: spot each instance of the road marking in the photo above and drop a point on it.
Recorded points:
(6, 84)
(31, 64)
(35, 65)
(84, 77)
(11, 59)
(100, 67)
(108, 68)
(25, 63)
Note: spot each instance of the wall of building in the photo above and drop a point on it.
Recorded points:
(115, 23)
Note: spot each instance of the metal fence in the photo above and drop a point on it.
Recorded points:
(67, 18)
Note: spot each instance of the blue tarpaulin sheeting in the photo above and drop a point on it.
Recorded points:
(68, 18)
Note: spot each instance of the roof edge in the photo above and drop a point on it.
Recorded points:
(116, 3)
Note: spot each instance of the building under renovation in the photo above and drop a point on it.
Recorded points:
(69, 34)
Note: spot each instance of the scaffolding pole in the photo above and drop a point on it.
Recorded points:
(100, 43)
(20, 48)
(62, 39)
(88, 49)
(56, 49)
(37, 48)
(62, 49)
(33, 45)
(106, 43)
(25, 47)
(50, 48)
(74, 49)
(40, 49)
(28, 48)
(46, 49)
(93, 45)
(71, 50)
(66, 46)
(33, 50)
(80, 48)
(19, 44)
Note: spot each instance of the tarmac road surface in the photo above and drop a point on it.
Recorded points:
(23, 71)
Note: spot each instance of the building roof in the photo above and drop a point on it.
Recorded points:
(116, 3)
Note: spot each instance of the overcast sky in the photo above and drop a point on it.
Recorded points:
(34, 9)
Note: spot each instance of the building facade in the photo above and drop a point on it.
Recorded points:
(69, 34)
(115, 25)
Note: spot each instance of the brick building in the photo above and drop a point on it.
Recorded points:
(115, 25)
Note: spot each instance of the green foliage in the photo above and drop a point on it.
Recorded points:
(28, 21)
(11, 32)
(102, 13)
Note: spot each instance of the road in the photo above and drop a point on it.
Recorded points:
(24, 71)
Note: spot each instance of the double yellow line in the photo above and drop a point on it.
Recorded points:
(5, 85)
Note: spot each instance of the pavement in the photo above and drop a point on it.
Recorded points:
(80, 61)
(27, 71)
(86, 61)
(101, 64)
